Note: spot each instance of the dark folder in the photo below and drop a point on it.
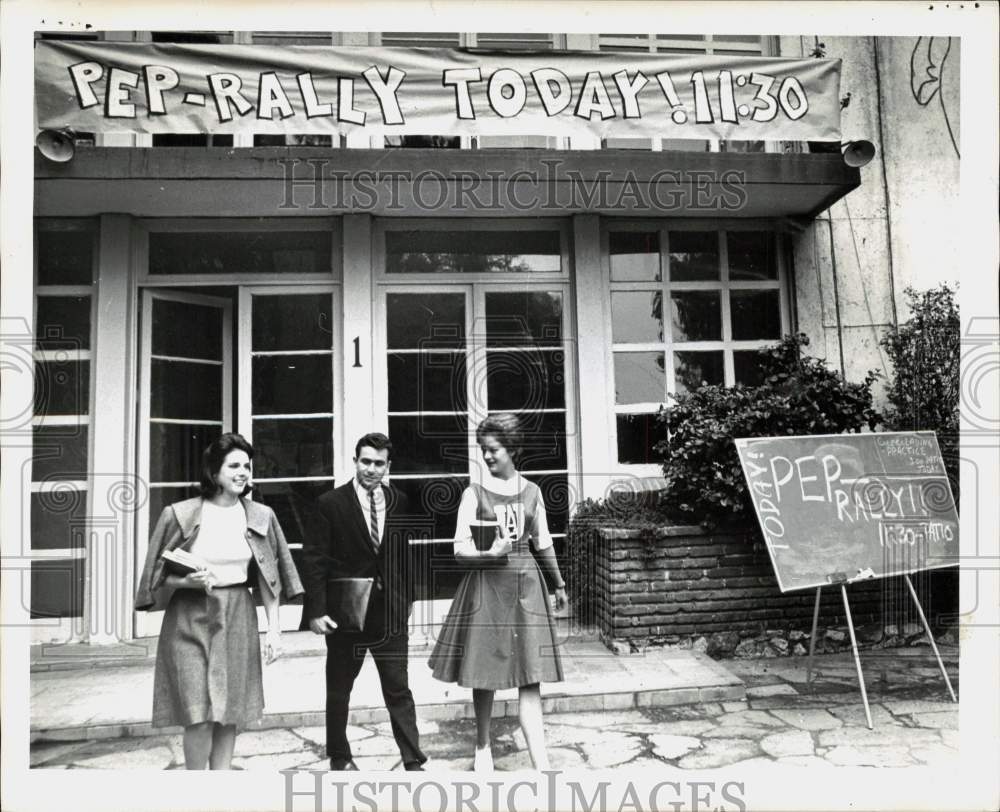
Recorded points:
(347, 602)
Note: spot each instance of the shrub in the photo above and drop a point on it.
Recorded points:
(798, 394)
(925, 351)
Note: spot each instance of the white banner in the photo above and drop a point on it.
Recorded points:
(150, 88)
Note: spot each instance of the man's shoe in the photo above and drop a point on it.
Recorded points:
(343, 765)
(413, 767)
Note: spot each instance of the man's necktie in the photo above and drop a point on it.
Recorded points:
(374, 518)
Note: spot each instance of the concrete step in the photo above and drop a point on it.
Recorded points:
(115, 701)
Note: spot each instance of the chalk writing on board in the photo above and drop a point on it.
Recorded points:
(861, 505)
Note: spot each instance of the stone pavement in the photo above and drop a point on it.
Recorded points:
(778, 722)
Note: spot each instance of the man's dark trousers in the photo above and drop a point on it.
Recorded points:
(345, 654)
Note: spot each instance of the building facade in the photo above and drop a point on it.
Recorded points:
(304, 290)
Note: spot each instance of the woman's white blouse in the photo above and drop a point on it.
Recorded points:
(222, 542)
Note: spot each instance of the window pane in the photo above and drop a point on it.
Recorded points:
(430, 381)
(58, 520)
(752, 255)
(640, 377)
(433, 504)
(185, 330)
(426, 320)
(300, 322)
(256, 252)
(181, 390)
(292, 38)
(429, 444)
(756, 314)
(63, 322)
(291, 140)
(523, 318)
(637, 316)
(293, 448)
(557, 495)
(59, 452)
(472, 251)
(696, 315)
(422, 142)
(524, 381)
(62, 387)
(634, 256)
(294, 503)
(57, 588)
(514, 42)
(179, 449)
(544, 442)
(695, 369)
(292, 384)
(65, 257)
(747, 369)
(191, 140)
(694, 256)
(742, 146)
(637, 434)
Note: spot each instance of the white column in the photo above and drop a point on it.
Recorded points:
(114, 488)
(356, 413)
(596, 398)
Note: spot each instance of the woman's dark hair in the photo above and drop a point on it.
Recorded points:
(215, 455)
(507, 430)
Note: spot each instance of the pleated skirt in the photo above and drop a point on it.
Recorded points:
(208, 665)
(499, 632)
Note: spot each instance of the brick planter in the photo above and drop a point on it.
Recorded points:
(683, 584)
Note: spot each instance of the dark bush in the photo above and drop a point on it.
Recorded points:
(923, 392)
(799, 394)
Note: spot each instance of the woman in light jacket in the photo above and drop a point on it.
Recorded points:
(208, 658)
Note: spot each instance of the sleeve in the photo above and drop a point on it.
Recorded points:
(153, 571)
(544, 539)
(288, 575)
(316, 559)
(467, 510)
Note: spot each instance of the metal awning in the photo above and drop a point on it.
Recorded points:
(306, 181)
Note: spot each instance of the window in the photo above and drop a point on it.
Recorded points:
(688, 308)
(65, 252)
(494, 252)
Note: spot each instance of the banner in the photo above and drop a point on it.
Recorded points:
(268, 89)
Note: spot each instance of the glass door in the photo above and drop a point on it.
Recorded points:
(185, 402)
(453, 354)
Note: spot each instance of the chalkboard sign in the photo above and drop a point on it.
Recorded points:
(851, 506)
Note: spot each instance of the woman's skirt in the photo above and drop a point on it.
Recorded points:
(208, 666)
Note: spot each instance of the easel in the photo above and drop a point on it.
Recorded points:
(842, 581)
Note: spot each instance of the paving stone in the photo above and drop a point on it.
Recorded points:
(317, 733)
(732, 707)
(261, 742)
(597, 720)
(691, 728)
(754, 732)
(151, 758)
(937, 755)
(808, 719)
(672, 747)
(907, 706)
(780, 689)
(375, 746)
(277, 761)
(855, 715)
(788, 743)
(756, 763)
(45, 752)
(438, 765)
(320, 764)
(939, 720)
(847, 756)
(749, 717)
(376, 763)
(886, 735)
(614, 749)
(719, 753)
(951, 738)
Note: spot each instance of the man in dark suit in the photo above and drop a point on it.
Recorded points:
(364, 533)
